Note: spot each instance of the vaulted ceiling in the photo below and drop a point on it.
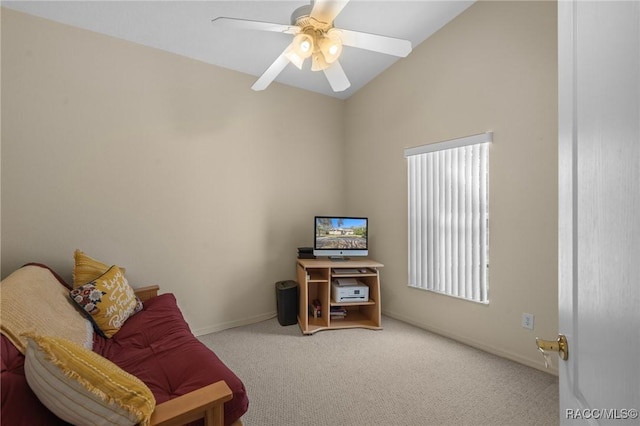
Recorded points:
(184, 28)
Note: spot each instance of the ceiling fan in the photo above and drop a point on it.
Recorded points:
(317, 38)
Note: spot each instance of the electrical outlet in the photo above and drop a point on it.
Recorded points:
(527, 321)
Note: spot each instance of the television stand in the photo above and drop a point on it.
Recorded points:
(314, 284)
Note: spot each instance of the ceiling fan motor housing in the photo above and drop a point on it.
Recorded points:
(300, 13)
(301, 17)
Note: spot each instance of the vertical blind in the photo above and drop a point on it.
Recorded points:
(449, 217)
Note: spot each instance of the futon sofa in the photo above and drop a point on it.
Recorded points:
(190, 384)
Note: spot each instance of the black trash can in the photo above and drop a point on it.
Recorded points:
(287, 302)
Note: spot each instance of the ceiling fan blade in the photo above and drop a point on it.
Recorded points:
(327, 10)
(246, 24)
(337, 78)
(271, 73)
(376, 43)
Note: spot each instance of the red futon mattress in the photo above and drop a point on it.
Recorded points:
(155, 345)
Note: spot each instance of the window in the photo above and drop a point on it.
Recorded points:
(449, 217)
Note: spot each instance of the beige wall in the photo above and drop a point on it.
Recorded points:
(176, 170)
(492, 68)
(170, 167)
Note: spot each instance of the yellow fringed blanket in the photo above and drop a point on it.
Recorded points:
(32, 300)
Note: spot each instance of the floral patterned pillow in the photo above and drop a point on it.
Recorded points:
(87, 269)
(108, 301)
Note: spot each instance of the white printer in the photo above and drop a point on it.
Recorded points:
(345, 290)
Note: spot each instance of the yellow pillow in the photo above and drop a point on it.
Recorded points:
(87, 268)
(108, 301)
(83, 388)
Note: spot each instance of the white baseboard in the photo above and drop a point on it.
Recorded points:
(476, 344)
(233, 324)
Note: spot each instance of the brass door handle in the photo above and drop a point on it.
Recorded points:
(560, 345)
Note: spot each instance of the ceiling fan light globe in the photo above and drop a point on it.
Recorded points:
(330, 46)
(318, 62)
(303, 45)
(300, 49)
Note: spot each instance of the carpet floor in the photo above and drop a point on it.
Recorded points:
(399, 376)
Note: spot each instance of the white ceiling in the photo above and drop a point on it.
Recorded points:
(184, 28)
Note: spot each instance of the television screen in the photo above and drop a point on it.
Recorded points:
(340, 236)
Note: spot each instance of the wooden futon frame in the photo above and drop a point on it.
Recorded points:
(205, 403)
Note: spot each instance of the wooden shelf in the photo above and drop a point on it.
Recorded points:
(318, 276)
(314, 281)
(347, 304)
(353, 323)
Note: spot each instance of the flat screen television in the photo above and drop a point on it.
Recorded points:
(340, 236)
